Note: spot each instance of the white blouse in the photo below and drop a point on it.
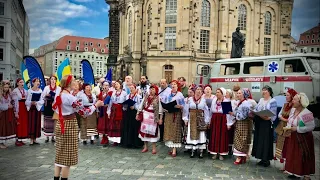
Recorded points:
(4, 103)
(85, 99)
(17, 96)
(39, 103)
(192, 105)
(170, 98)
(116, 100)
(137, 98)
(46, 91)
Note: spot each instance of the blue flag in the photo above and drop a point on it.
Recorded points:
(87, 72)
(109, 76)
(34, 70)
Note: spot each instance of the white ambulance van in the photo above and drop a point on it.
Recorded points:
(298, 71)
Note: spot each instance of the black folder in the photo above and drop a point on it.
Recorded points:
(129, 102)
(35, 97)
(226, 107)
(170, 106)
(52, 94)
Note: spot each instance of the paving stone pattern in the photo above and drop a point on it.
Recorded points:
(98, 162)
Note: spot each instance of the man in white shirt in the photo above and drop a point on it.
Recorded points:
(96, 90)
(126, 84)
(164, 90)
(144, 87)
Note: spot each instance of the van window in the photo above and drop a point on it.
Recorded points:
(314, 63)
(253, 68)
(205, 70)
(230, 69)
(294, 66)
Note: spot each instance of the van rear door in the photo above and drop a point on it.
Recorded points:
(296, 75)
(203, 74)
(272, 73)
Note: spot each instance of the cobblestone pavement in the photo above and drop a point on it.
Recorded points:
(97, 162)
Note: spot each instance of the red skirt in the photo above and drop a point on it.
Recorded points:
(114, 125)
(103, 121)
(218, 139)
(294, 154)
(22, 122)
(34, 125)
(7, 125)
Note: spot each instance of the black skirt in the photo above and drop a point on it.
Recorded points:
(130, 130)
(48, 108)
(263, 139)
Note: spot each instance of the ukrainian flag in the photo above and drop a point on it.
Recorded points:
(25, 74)
(63, 69)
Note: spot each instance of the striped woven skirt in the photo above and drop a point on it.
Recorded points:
(88, 126)
(7, 125)
(67, 143)
(242, 137)
(34, 123)
(173, 130)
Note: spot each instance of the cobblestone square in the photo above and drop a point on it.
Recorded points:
(98, 162)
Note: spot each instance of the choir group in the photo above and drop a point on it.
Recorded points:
(133, 116)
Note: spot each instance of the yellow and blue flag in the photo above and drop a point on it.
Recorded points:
(25, 75)
(63, 69)
(34, 70)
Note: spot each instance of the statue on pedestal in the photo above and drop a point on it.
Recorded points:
(238, 42)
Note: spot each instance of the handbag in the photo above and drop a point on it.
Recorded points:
(201, 124)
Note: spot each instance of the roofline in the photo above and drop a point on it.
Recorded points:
(268, 57)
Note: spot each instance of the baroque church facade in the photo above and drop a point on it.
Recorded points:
(170, 38)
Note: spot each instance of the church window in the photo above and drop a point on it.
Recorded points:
(267, 23)
(171, 11)
(242, 17)
(205, 13)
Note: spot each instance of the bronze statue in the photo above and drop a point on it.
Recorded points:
(238, 42)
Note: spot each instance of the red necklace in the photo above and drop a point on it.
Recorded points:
(89, 96)
(131, 97)
(53, 89)
(118, 94)
(149, 101)
(218, 104)
(196, 100)
(22, 92)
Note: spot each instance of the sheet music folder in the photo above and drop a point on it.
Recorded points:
(35, 97)
(170, 106)
(226, 107)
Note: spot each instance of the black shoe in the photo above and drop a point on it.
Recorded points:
(35, 143)
(261, 163)
(46, 141)
(53, 140)
(91, 142)
(201, 155)
(84, 142)
(64, 178)
(56, 178)
(292, 176)
(266, 164)
(192, 154)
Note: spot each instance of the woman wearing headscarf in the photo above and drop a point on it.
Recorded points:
(115, 114)
(218, 139)
(130, 126)
(7, 119)
(231, 119)
(88, 127)
(283, 117)
(263, 130)
(173, 120)
(66, 130)
(243, 124)
(19, 95)
(196, 110)
(300, 157)
(149, 129)
(48, 95)
(34, 111)
(103, 118)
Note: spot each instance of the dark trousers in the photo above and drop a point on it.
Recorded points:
(162, 128)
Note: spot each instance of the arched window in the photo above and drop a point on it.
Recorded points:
(267, 23)
(149, 17)
(242, 17)
(205, 13)
(130, 30)
(171, 11)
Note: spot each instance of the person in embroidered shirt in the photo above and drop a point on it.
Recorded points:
(88, 127)
(19, 95)
(66, 131)
(7, 119)
(263, 130)
(115, 114)
(173, 120)
(196, 106)
(300, 156)
(143, 89)
(281, 134)
(243, 127)
(34, 112)
(130, 126)
(164, 90)
(218, 139)
(48, 95)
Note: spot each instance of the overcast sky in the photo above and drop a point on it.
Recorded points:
(51, 19)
